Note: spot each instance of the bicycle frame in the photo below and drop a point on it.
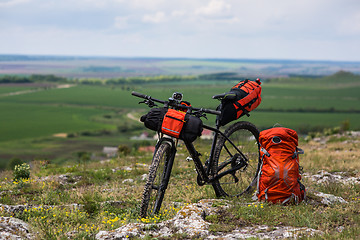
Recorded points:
(223, 152)
(204, 172)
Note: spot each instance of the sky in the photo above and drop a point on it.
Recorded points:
(250, 29)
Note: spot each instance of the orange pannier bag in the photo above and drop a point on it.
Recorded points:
(173, 123)
(251, 100)
(248, 97)
(279, 176)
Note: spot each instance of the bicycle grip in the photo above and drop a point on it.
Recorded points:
(140, 95)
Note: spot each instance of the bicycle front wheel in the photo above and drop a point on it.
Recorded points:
(245, 136)
(157, 181)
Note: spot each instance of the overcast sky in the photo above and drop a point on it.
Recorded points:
(255, 29)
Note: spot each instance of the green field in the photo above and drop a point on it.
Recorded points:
(4, 90)
(22, 121)
(96, 115)
(274, 96)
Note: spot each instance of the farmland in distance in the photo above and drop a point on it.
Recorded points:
(48, 122)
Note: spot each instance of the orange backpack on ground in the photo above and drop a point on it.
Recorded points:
(279, 176)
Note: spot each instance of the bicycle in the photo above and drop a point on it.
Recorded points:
(232, 167)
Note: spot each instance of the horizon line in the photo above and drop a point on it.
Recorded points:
(170, 58)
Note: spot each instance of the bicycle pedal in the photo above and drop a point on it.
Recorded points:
(189, 159)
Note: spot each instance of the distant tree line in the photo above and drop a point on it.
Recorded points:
(225, 76)
(14, 79)
(136, 80)
(31, 78)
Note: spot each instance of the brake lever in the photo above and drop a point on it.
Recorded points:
(199, 115)
(149, 103)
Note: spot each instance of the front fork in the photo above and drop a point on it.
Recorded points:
(168, 162)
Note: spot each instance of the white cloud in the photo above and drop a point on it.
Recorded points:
(215, 7)
(350, 25)
(10, 3)
(178, 13)
(198, 28)
(121, 22)
(158, 17)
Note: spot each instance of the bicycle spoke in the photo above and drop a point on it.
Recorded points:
(244, 147)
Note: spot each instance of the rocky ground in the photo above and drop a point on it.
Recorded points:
(339, 175)
(190, 221)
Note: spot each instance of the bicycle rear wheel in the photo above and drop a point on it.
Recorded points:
(245, 137)
(157, 181)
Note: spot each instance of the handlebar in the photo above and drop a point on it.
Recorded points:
(140, 95)
(174, 103)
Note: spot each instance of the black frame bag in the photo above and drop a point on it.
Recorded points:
(191, 128)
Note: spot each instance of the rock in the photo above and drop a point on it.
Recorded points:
(13, 228)
(18, 209)
(129, 180)
(13, 209)
(127, 231)
(66, 179)
(337, 177)
(264, 232)
(190, 222)
(127, 168)
(144, 177)
(329, 199)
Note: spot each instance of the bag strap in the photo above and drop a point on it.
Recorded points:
(175, 118)
(242, 108)
(240, 84)
(297, 152)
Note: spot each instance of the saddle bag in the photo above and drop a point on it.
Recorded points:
(248, 97)
(174, 123)
(279, 176)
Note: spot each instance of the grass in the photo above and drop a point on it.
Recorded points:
(32, 120)
(8, 89)
(302, 122)
(105, 200)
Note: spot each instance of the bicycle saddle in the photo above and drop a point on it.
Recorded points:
(225, 96)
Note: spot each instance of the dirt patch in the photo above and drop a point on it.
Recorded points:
(61, 135)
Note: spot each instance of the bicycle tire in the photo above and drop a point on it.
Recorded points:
(245, 136)
(152, 195)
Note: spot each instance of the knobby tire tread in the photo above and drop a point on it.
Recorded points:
(163, 148)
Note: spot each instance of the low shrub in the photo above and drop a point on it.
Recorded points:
(22, 171)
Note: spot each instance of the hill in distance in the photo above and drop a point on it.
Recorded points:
(112, 67)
